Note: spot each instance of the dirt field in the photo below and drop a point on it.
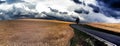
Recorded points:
(35, 32)
(115, 27)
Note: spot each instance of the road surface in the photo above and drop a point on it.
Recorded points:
(110, 39)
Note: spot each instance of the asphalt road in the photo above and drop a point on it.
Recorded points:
(105, 36)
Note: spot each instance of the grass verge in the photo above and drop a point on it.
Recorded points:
(83, 39)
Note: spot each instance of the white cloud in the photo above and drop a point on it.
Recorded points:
(37, 7)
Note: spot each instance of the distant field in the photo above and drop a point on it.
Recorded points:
(35, 32)
(115, 27)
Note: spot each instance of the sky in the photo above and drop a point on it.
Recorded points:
(105, 11)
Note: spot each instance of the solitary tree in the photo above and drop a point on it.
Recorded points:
(77, 20)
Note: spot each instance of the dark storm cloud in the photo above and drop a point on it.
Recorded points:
(111, 13)
(110, 8)
(2, 2)
(114, 4)
(81, 11)
(13, 1)
(95, 8)
(77, 1)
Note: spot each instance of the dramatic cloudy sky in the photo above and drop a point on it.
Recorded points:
(67, 10)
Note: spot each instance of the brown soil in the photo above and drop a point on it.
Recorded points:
(114, 27)
(35, 32)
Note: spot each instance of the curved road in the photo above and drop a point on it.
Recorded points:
(113, 39)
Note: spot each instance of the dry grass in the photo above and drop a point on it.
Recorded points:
(36, 32)
(115, 27)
